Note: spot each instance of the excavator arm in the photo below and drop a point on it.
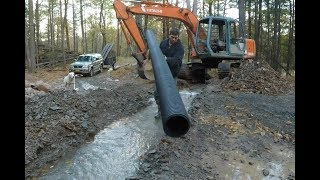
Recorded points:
(125, 15)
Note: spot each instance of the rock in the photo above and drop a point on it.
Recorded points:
(54, 108)
(265, 172)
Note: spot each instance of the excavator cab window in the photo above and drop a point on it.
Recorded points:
(211, 36)
(201, 40)
(237, 40)
(217, 36)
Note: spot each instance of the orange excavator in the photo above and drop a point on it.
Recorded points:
(216, 41)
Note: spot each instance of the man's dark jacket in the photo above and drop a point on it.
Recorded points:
(174, 55)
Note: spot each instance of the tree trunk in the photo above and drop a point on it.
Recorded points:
(224, 7)
(290, 41)
(256, 28)
(52, 32)
(102, 25)
(278, 57)
(268, 49)
(31, 38)
(118, 39)
(82, 28)
(275, 46)
(62, 33)
(188, 4)
(146, 20)
(195, 7)
(218, 8)
(37, 21)
(259, 42)
(48, 31)
(242, 14)
(165, 26)
(66, 24)
(74, 22)
(210, 8)
(27, 52)
(249, 20)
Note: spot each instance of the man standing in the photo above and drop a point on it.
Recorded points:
(173, 51)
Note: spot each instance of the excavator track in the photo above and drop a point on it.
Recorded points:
(223, 69)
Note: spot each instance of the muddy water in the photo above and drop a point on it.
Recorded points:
(115, 151)
(283, 163)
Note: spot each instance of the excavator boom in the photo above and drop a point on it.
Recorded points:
(126, 14)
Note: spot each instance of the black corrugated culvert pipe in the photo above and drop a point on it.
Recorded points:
(174, 116)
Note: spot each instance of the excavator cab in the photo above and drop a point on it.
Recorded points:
(219, 38)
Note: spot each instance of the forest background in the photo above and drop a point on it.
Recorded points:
(59, 30)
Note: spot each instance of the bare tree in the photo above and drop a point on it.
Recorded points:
(249, 19)
(256, 24)
(37, 29)
(210, 4)
(27, 51)
(258, 30)
(75, 44)
(165, 25)
(267, 44)
(31, 66)
(224, 7)
(290, 55)
(51, 22)
(218, 8)
(82, 29)
(102, 24)
(66, 24)
(275, 38)
(62, 33)
(195, 6)
(242, 13)
(188, 4)
(118, 39)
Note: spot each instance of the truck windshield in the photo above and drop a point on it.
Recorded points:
(84, 59)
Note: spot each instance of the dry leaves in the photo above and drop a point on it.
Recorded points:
(258, 77)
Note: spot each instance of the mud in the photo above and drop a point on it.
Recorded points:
(233, 134)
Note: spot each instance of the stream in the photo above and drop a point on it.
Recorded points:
(115, 151)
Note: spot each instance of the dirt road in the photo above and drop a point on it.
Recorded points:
(236, 132)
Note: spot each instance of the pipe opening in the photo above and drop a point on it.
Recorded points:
(177, 126)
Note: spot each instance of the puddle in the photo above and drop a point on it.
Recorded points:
(82, 85)
(87, 86)
(115, 151)
(242, 167)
